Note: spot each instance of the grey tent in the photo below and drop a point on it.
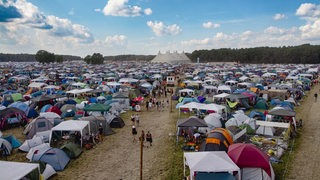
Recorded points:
(95, 121)
(30, 143)
(192, 122)
(279, 111)
(39, 124)
(117, 122)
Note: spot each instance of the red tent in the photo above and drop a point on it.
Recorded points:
(54, 109)
(248, 155)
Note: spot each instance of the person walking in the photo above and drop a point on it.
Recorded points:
(134, 133)
(100, 129)
(315, 97)
(132, 119)
(149, 138)
(137, 119)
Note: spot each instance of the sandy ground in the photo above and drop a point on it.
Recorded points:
(117, 157)
(306, 162)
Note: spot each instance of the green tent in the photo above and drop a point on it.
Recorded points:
(97, 107)
(17, 96)
(73, 150)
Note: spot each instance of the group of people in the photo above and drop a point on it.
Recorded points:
(160, 105)
(143, 137)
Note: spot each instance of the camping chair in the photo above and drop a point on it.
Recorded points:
(232, 105)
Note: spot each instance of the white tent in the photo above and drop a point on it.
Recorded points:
(17, 170)
(30, 143)
(209, 161)
(39, 149)
(213, 120)
(265, 130)
(72, 125)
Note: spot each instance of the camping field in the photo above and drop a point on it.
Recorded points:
(118, 157)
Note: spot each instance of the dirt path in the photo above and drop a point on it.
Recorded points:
(117, 157)
(306, 162)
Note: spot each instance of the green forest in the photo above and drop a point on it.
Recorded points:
(302, 54)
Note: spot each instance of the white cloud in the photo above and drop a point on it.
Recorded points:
(119, 40)
(160, 29)
(209, 24)
(50, 25)
(279, 16)
(310, 13)
(148, 11)
(97, 10)
(308, 10)
(120, 8)
(274, 30)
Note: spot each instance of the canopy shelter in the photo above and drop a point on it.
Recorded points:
(213, 161)
(75, 92)
(199, 106)
(19, 170)
(192, 122)
(285, 113)
(71, 125)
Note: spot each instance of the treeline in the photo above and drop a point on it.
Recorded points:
(30, 57)
(303, 54)
(129, 57)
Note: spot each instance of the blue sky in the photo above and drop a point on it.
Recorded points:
(117, 27)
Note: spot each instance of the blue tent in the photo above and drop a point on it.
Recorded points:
(15, 143)
(20, 105)
(45, 108)
(93, 100)
(32, 113)
(71, 101)
(57, 158)
(254, 114)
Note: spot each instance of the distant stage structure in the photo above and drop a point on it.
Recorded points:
(172, 58)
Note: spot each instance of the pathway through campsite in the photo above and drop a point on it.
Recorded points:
(307, 157)
(117, 157)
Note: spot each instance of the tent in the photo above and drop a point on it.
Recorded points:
(218, 139)
(37, 125)
(117, 122)
(215, 161)
(54, 109)
(253, 162)
(71, 125)
(20, 105)
(5, 146)
(45, 108)
(57, 158)
(261, 104)
(192, 121)
(29, 143)
(266, 130)
(38, 149)
(15, 143)
(97, 107)
(213, 120)
(95, 121)
(72, 150)
(19, 170)
(12, 116)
